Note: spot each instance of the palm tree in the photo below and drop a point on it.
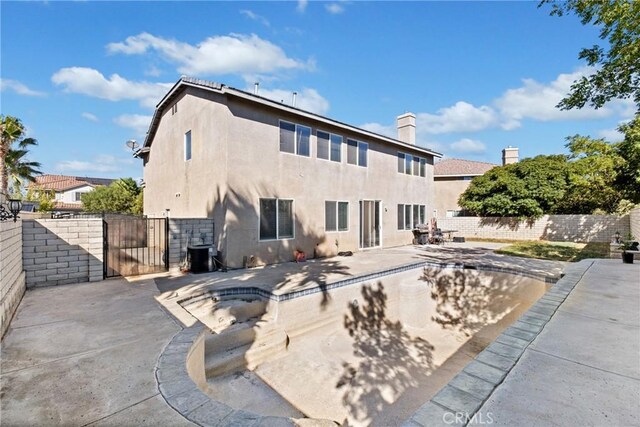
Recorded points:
(14, 165)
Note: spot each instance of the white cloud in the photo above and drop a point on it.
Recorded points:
(537, 101)
(101, 163)
(302, 5)
(469, 146)
(390, 131)
(611, 135)
(19, 88)
(307, 99)
(90, 117)
(248, 55)
(88, 81)
(460, 117)
(334, 8)
(254, 16)
(137, 122)
(152, 71)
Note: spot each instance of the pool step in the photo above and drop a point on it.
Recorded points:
(242, 346)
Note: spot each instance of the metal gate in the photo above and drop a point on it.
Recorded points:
(135, 245)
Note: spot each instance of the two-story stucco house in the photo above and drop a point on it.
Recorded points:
(452, 177)
(277, 179)
(67, 190)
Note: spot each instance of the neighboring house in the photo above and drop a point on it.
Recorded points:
(277, 179)
(451, 177)
(68, 190)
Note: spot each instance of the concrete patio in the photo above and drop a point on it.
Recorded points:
(85, 354)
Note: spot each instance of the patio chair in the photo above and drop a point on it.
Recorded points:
(436, 237)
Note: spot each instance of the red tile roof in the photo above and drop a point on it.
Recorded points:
(66, 182)
(460, 167)
(62, 206)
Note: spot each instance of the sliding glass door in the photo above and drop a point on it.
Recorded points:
(370, 223)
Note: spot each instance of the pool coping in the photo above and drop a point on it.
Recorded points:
(464, 393)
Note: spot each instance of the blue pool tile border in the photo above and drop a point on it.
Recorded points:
(318, 288)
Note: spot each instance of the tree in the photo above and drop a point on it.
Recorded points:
(527, 189)
(14, 147)
(593, 169)
(46, 199)
(122, 196)
(618, 68)
(627, 181)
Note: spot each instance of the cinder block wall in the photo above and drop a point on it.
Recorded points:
(185, 231)
(62, 251)
(12, 276)
(568, 228)
(634, 219)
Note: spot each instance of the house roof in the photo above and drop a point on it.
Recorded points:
(62, 206)
(223, 89)
(66, 182)
(460, 167)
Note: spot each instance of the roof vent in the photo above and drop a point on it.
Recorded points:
(293, 101)
(256, 86)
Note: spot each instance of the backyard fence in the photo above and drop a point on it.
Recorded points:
(565, 228)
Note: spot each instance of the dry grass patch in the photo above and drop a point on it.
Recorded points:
(556, 251)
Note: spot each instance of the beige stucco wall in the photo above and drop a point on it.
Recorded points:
(237, 160)
(562, 228)
(634, 219)
(447, 192)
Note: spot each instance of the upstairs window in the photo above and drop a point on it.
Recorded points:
(357, 152)
(329, 146)
(294, 138)
(412, 165)
(77, 196)
(187, 146)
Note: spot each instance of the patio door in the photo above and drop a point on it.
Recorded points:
(369, 223)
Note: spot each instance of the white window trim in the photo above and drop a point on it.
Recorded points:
(337, 230)
(295, 138)
(184, 145)
(358, 142)
(413, 157)
(329, 159)
(412, 219)
(293, 212)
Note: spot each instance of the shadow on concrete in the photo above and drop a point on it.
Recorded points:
(390, 360)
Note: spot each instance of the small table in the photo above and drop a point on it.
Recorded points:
(448, 232)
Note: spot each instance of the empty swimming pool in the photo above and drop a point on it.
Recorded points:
(364, 352)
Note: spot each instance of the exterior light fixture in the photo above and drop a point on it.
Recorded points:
(14, 206)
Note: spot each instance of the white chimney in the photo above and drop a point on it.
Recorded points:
(293, 101)
(509, 155)
(407, 128)
(256, 86)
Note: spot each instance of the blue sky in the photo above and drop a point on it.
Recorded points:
(84, 77)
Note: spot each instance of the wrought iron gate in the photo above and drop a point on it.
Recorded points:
(135, 245)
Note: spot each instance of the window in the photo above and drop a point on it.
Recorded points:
(187, 146)
(294, 138)
(174, 109)
(408, 161)
(77, 196)
(357, 152)
(276, 219)
(336, 216)
(409, 216)
(400, 162)
(329, 146)
(412, 165)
